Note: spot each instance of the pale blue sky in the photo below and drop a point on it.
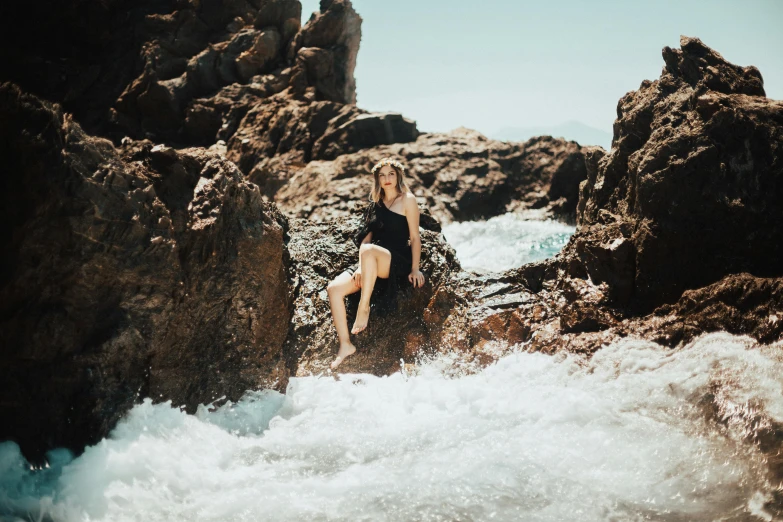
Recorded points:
(491, 64)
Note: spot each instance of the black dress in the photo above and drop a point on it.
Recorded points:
(390, 231)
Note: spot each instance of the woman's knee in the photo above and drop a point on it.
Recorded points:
(333, 289)
(366, 250)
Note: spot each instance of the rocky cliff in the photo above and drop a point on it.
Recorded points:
(143, 271)
(693, 181)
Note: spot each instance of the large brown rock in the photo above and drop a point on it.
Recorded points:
(146, 272)
(325, 52)
(321, 251)
(693, 181)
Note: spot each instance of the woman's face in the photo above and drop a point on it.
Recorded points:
(387, 177)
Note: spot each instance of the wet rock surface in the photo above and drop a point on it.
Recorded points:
(320, 252)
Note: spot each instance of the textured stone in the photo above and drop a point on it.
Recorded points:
(458, 176)
(695, 176)
(144, 272)
(136, 68)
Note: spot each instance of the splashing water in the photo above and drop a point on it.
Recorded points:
(506, 241)
(622, 436)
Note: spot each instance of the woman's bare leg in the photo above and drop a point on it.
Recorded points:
(337, 289)
(375, 262)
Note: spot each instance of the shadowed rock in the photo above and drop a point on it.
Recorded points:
(147, 272)
(148, 68)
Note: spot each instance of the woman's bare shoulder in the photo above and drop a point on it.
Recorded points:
(410, 200)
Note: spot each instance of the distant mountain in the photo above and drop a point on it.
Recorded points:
(570, 130)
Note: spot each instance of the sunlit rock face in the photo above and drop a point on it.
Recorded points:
(457, 176)
(690, 190)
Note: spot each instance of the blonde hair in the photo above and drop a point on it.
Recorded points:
(397, 167)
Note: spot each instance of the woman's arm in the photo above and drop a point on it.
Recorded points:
(412, 214)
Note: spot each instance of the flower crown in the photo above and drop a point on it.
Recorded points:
(388, 161)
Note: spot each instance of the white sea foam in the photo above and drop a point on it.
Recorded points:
(623, 436)
(505, 241)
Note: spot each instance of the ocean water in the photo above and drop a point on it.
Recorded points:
(622, 436)
(637, 432)
(506, 241)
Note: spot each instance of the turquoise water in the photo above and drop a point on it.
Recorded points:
(506, 241)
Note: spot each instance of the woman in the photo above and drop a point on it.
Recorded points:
(384, 253)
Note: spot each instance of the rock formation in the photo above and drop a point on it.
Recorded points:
(128, 274)
(458, 176)
(692, 185)
(155, 60)
(240, 75)
(678, 226)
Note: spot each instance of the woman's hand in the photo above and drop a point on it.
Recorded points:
(357, 278)
(417, 278)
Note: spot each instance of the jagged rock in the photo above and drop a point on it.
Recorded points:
(460, 175)
(334, 30)
(320, 252)
(144, 69)
(146, 272)
(343, 136)
(254, 60)
(88, 54)
(694, 175)
(230, 104)
(284, 131)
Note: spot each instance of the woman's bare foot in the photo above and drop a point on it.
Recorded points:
(344, 351)
(362, 316)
